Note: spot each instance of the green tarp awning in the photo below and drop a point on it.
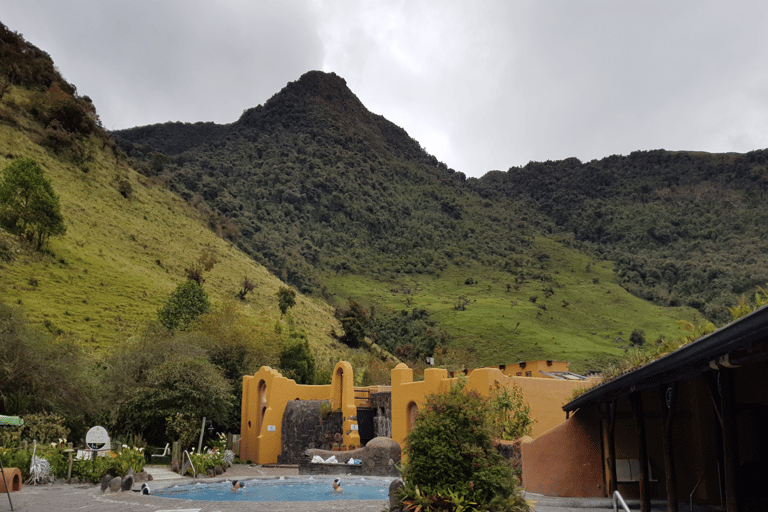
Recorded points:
(10, 420)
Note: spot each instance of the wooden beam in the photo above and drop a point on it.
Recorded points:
(636, 401)
(730, 438)
(668, 399)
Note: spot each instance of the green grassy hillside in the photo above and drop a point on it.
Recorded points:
(581, 315)
(122, 256)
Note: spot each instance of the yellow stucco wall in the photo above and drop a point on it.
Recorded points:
(546, 396)
(533, 368)
(266, 393)
(265, 396)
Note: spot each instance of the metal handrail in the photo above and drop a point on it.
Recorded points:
(618, 500)
(194, 473)
(690, 497)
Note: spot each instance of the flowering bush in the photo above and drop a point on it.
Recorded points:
(207, 460)
(128, 458)
(17, 458)
(113, 463)
(220, 442)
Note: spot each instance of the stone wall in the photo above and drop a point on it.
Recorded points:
(380, 457)
(382, 420)
(304, 428)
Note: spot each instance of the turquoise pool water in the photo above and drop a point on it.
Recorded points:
(289, 489)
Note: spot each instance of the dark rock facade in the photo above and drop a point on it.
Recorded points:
(382, 420)
(304, 428)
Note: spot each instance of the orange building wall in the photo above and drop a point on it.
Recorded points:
(566, 461)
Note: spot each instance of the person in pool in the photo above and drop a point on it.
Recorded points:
(237, 485)
(337, 485)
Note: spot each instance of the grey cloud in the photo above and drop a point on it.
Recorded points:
(482, 85)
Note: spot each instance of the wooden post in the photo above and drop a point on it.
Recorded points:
(176, 455)
(636, 401)
(200, 442)
(668, 399)
(730, 439)
(613, 484)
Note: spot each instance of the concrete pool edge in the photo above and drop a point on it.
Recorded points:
(270, 489)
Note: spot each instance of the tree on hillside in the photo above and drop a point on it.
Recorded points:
(286, 298)
(353, 320)
(187, 302)
(187, 385)
(297, 361)
(28, 205)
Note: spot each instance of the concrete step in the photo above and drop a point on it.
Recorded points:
(161, 472)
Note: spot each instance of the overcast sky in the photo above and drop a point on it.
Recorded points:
(482, 85)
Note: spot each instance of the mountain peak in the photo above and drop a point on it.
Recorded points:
(315, 92)
(321, 103)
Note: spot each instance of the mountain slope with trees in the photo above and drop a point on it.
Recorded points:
(328, 196)
(684, 228)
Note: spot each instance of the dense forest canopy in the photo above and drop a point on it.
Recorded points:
(311, 182)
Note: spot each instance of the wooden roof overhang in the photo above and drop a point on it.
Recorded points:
(742, 341)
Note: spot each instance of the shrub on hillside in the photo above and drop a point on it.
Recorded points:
(40, 373)
(185, 305)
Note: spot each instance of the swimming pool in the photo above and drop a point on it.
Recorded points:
(284, 489)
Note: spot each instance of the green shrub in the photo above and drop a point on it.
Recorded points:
(286, 299)
(17, 458)
(451, 459)
(205, 461)
(44, 428)
(185, 305)
(297, 361)
(508, 414)
(182, 427)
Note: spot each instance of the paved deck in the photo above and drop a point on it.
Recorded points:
(89, 498)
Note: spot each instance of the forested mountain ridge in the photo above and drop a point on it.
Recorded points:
(683, 227)
(312, 181)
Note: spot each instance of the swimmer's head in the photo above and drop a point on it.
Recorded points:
(336, 484)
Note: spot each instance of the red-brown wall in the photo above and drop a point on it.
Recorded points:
(566, 461)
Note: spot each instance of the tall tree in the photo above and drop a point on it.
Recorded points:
(28, 205)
